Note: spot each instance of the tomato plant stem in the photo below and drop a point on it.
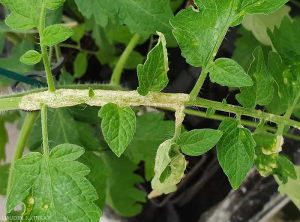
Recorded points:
(116, 76)
(44, 110)
(288, 113)
(76, 95)
(26, 129)
(210, 59)
(44, 50)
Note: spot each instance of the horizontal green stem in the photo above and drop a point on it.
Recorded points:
(77, 48)
(199, 102)
(72, 97)
(244, 122)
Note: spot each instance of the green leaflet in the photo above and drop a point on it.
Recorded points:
(47, 184)
(167, 158)
(291, 188)
(244, 47)
(198, 142)
(3, 140)
(286, 169)
(122, 195)
(4, 171)
(149, 16)
(79, 31)
(55, 34)
(53, 4)
(259, 24)
(31, 57)
(227, 72)
(285, 40)
(80, 65)
(151, 131)
(118, 126)
(153, 74)
(283, 78)
(25, 13)
(262, 91)
(200, 32)
(18, 22)
(235, 151)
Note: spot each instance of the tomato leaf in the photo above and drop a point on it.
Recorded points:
(118, 126)
(153, 74)
(235, 151)
(149, 16)
(31, 57)
(41, 182)
(198, 142)
(262, 91)
(80, 65)
(55, 34)
(227, 72)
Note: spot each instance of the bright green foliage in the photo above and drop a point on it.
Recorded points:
(291, 188)
(80, 65)
(286, 169)
(53, 185)
(262, 91)
(200, 32)
(153, 74)
(258, 24)
(227, 72)
(235, 151)
(151, 131)
(245, 45)
(136, 14)
(118, 126)
(25, 13)
(198, 142)
(55, 34)
(283, 79)
(286, 40)
(53, 4)
(170, 159)
(122, 195)
(31, 57)
(3, 140)
(210, 112)
(4, 171)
